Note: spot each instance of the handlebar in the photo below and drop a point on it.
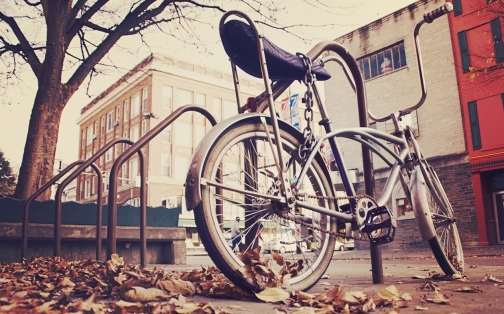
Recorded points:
(428, 17)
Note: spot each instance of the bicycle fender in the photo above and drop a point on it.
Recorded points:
(193, 179)
(420, 204)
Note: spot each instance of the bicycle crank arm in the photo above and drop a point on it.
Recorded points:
(241, 191)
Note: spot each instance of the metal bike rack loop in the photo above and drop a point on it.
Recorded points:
(114, 171)
(24, 225)
(58, 206)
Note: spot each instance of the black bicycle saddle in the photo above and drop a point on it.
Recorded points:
(240, 44)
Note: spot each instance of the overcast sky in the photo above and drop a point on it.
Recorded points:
(14, 117)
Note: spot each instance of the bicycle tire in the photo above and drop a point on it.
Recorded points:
(446, 245)
(213, 233)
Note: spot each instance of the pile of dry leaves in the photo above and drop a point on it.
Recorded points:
(51, 285)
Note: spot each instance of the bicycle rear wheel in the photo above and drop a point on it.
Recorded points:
(242, 158)
(446, 245)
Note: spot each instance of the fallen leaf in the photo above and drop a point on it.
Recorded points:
(272, 295)
(176, 286)
(369, 306)
(421, 308)
(406, 296)
(140, 294)
(419, 277)
(390, 293)
(472, 289)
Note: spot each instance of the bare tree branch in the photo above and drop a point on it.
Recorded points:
(26, 50)
(31, 4)
(77, 24)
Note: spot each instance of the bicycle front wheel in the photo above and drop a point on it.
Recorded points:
(446, 245)
(242, 158)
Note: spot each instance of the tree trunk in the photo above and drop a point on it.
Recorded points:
(40, 148)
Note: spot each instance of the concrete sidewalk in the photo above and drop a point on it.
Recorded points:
(388, 254)
(353, 270)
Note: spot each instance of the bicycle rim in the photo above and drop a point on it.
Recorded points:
(446, 245)
(242, 158)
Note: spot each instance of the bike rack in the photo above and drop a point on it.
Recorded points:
(70, 178)
(112, 214)
(24, 225)
(136, 147)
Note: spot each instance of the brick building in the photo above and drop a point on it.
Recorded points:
(135, 104)
(476, 32)
(385, 52)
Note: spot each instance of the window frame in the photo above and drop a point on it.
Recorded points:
(366, 62)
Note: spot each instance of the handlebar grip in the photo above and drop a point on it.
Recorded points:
(429, 17)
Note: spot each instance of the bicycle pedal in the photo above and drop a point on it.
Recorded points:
(380, 225)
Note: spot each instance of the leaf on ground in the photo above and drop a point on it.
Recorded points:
(429, 285)
(140, 294)
(369, 306)
(401, 304)
(490, 278)
(325, 276)
(176, 286)
(128, 307)
(472, 289)
(439, 298)
(272, 295)
(406, 296)
(421, 308)
(419, 277)
(300, 295)
(390, 293)
(348, 298)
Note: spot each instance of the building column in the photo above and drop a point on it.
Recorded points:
(480, 209)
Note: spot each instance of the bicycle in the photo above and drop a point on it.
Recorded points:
(241, 167)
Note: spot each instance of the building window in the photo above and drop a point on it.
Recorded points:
(230, 109)
(497, 40)
(110, 121)
(108, 155)
(87, 189)
(166, 134)
(133, 170)
(199, 99)
(183, 136)
(474, 122)
(166, 165)
(184, 97)
(125, 145)
(134, 133)
(457, 7)
(144, 99)
(102, 126)
(124, 174)
(464, 51)
(89, 135)
(126, 107)
(117, 148)
(118, 116)
(180, 172)
(167, 97)
(135, 105)
(102, 158)
(144, 127)
(83, 138)
(217, 108)
(383, 62)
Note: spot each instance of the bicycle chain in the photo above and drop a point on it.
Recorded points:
(334, 233)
